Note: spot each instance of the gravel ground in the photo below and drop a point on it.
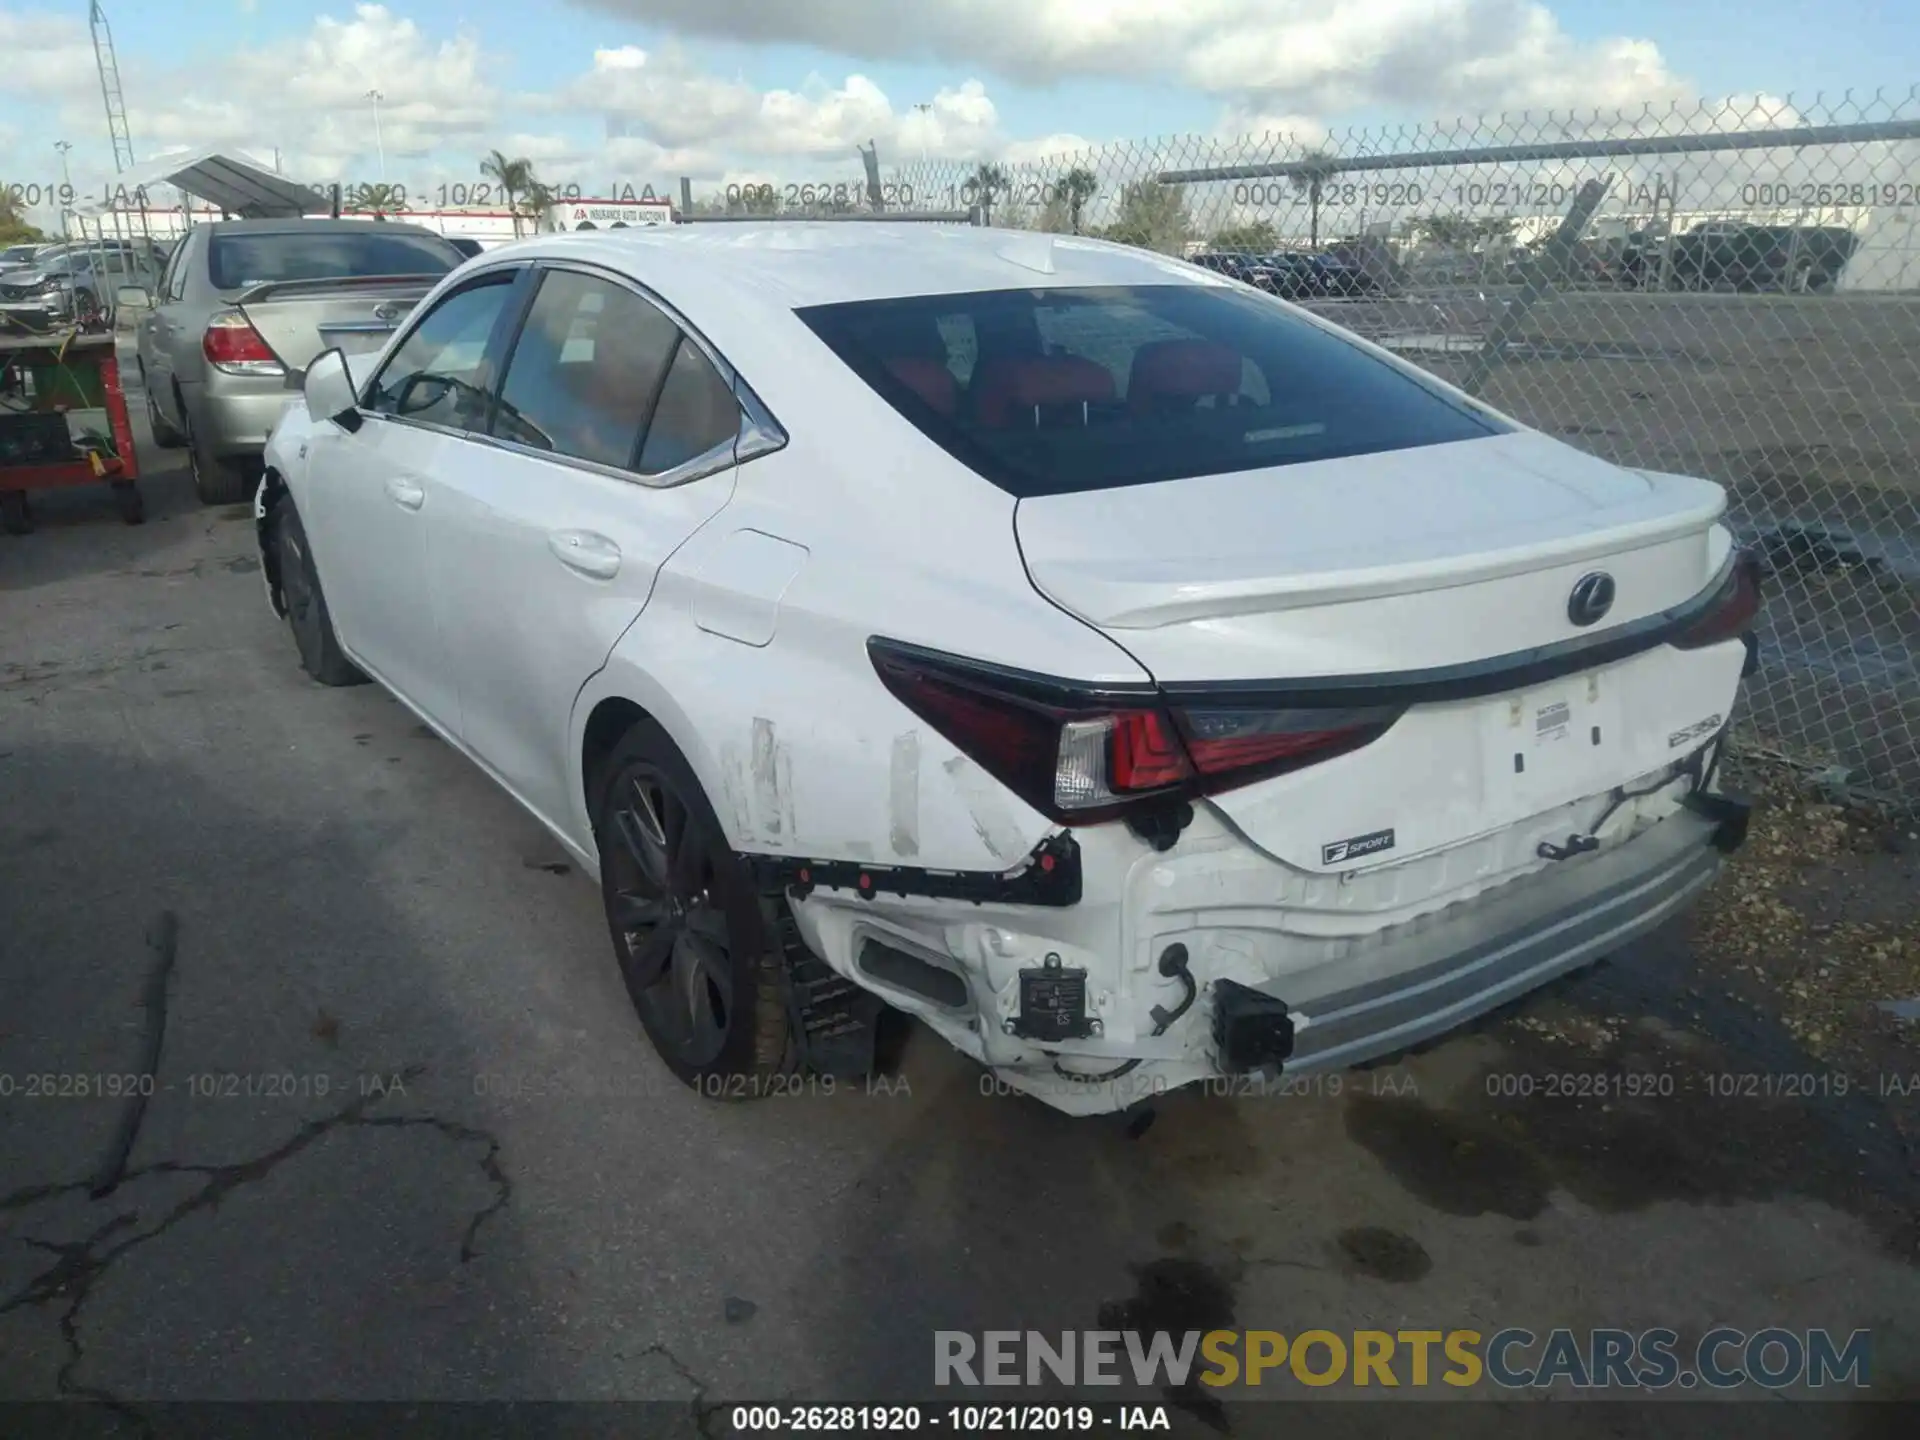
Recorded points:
(406, 1141)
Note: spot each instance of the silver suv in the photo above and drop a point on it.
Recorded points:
(241, 309)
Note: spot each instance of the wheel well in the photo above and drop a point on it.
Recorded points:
(611, 719)
(273, 490)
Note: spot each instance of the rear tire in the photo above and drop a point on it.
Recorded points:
(164, 435)
(695, 941)
(133, 506)
(307, 614)
(16, 516)
(215, 481)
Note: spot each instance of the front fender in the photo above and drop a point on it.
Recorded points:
(285, 461)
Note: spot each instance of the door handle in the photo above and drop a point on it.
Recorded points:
(586, 552)
(405, 492)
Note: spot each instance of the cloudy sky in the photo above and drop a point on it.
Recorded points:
(637, 91)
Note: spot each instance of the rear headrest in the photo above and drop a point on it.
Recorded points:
(931, 380)
(1008, 390)
(1181, 370)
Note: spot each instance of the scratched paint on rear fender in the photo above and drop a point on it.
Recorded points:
(903, 793)
(766, 779)
(992, 822)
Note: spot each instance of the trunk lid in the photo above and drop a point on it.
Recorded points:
(1406, 560)
(301, 319)
(1438, 558)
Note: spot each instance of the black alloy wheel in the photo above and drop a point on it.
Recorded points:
(689, 929)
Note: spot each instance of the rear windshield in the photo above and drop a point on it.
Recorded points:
(239, 260)
(1046, 392)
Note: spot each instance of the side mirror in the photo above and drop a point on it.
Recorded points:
(329, 391)
(421, 393)
(133, 297)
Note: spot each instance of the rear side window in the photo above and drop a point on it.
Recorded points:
(586, 370)
(242, 258)
(1054, 391)
(697, 413)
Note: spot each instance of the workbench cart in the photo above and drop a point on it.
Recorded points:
(63, 421)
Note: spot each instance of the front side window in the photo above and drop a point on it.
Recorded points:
(587, 371)
(437, 375)
(1057, 390)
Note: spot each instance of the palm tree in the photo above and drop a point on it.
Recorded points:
(514, 176)
(988, 181)
(1309, 176)
(536, 200)
(376, 200)
(1077, 187)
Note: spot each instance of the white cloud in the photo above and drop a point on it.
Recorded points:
(1294, 55)
(665, 99)
(306, 97)
(45, 55)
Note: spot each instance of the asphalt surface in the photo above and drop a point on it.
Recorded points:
(407, 1142)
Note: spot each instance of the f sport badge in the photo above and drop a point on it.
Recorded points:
(1371, 843)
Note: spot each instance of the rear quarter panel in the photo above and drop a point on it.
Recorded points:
(768, 688)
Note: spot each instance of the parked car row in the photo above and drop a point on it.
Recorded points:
(20, 257)
(1138, 679)
(1798, 259)
(1294, 275)
(1712, 255)
(74, 281)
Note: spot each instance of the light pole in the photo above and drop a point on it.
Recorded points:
(66, 182)
(376, 96)
(925, 110)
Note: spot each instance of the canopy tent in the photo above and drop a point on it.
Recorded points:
(238, 187)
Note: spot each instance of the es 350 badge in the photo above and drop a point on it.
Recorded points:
(1699, 730)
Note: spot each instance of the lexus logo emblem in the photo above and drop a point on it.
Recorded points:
(1592, 598)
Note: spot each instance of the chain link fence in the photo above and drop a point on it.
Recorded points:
(1729, 290)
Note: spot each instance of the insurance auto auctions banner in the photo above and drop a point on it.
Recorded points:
(588, 214)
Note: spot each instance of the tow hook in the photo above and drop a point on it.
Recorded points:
(1576, 845)
(1251, 1029)
(1730, 814)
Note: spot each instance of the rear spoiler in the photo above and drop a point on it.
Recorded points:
(279, 289)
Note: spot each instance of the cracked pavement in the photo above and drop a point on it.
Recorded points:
(406, 1142)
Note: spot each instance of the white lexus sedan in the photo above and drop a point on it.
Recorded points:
(1132, 676)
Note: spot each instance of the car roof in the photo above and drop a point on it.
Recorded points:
(792, 265)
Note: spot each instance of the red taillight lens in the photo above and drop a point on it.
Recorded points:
(232, 344)
(1080, 756)
(1244, 743)
(1732, 611)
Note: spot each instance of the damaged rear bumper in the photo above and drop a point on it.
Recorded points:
(1413, 989)
(1216, 960)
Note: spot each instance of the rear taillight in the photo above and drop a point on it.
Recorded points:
(233, 345)
(1730, 614)
(1082, 754)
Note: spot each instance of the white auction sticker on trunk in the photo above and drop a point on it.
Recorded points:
(1552, 722)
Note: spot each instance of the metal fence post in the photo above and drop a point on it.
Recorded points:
(870, 159)
(1672, 227)
(1553, 262)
